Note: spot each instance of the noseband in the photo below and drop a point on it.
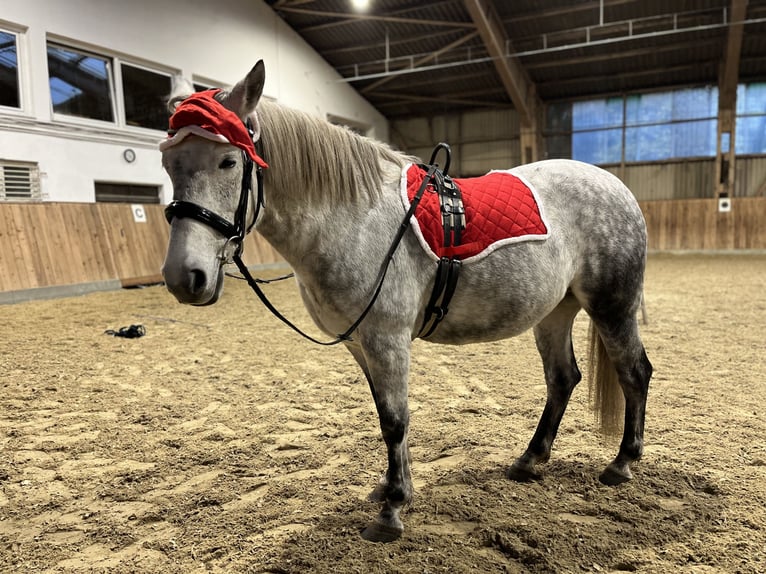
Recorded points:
(233, 232)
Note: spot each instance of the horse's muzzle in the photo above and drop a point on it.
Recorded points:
(192, 285)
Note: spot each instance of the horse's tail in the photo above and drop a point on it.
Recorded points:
(606, 398)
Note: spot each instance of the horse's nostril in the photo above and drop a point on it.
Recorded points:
(198, 280)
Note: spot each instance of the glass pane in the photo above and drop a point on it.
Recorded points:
(751, 135)
(695, 103)
(145, 94)
(751, 99)
(9, 70)
(598, 147)
(558, 118)
(649, 108)
(648, 143)
(597, 114)
(665, 141)
(80, 83)
(694, 139)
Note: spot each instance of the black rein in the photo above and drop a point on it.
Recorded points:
(346, 335)
(236, 232)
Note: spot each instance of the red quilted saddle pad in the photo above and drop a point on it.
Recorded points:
(500, 208)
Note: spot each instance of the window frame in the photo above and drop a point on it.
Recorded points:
(22, 73)
(60, 117)
(560, 121)
(123, 111)
(116, 87)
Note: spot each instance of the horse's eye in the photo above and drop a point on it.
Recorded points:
(227, 163)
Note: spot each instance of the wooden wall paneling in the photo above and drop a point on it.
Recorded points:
(724, 229)
(10, 254)
(709, 231)
(63, 245)
(138, 247)
(665, 210)
(696, 224)
(104, 251)
(27, 247)
(35, 236)
(749, 223)
(649, 208)
(56, 244)
(111, 230)
(83, 226)
(157, 241)
(688, 226)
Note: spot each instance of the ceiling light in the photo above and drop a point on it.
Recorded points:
(360, 5)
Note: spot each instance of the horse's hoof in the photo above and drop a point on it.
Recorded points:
(613, 475)
(522, 473)
(377, 532)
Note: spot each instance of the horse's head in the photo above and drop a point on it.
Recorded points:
(209, 156)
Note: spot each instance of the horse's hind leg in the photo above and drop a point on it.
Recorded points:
(553, 336)
(626, 352)
(385, 360)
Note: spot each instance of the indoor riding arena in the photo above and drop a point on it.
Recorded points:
(142, 435)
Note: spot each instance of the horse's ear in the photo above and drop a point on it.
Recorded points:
(245, 95)
(180, 89)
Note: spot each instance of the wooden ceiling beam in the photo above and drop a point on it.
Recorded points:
(727, 86)
(520, 88)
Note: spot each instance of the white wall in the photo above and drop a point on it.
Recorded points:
(208, 41)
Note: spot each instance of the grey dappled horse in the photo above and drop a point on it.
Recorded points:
(332, 206)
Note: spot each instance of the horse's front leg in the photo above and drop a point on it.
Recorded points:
(385, 360)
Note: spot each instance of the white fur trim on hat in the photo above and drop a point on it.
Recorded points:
(181, 134)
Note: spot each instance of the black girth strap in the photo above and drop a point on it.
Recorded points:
(453, 222)
(444, 287)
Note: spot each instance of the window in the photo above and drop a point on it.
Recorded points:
(19, 181)
(653, 126)
(126, 193)
(80, 83)
(145, 93)
(662, 125)
(558, 130)
(597, 130)
(751, 119)
(9, 70)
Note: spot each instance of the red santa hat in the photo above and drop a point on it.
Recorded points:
(202, 115)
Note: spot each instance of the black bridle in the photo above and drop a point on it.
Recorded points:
(235, 233)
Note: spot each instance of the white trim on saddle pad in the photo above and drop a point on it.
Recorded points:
(493, 246)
